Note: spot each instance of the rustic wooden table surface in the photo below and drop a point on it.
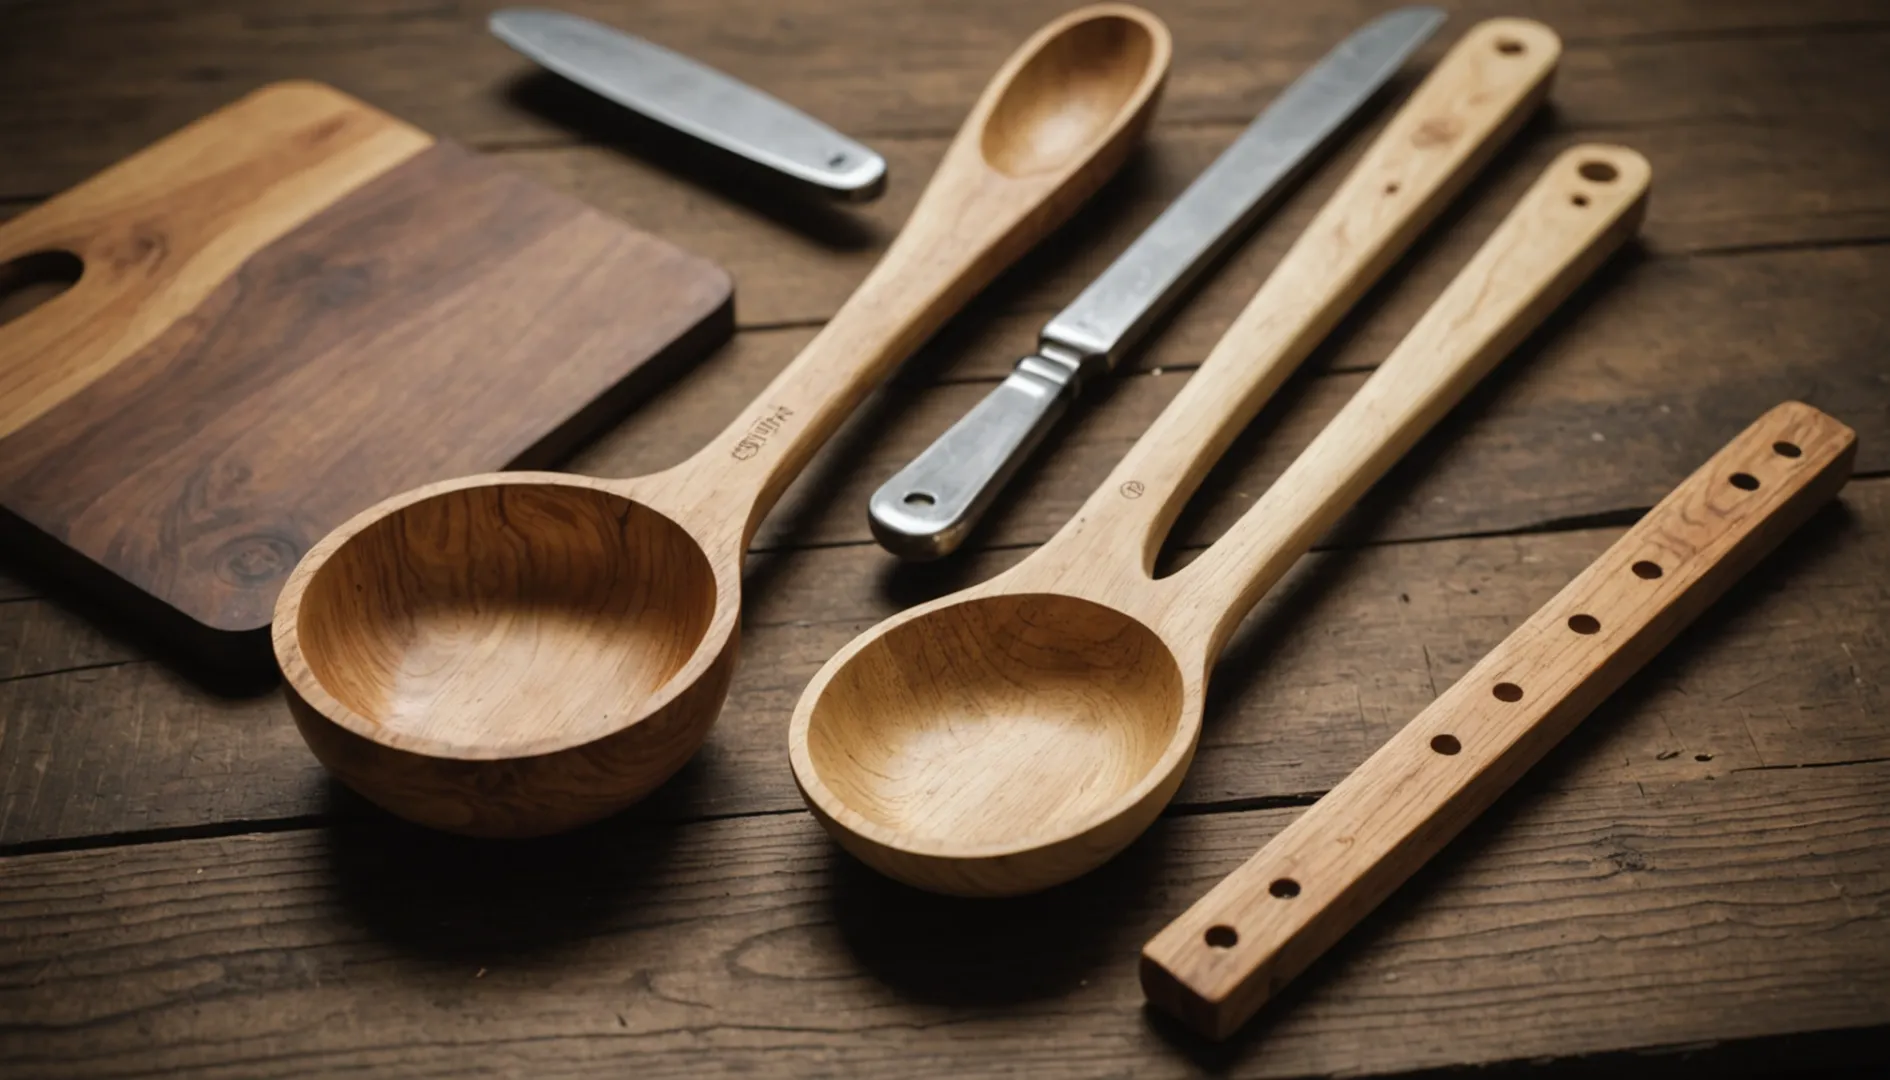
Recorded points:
(1699, 877)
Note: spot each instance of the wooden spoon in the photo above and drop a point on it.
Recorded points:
(518, 653)
(1217, 964)
(1019, 733)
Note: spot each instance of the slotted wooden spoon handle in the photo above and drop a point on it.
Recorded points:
(1476, 97)
(1586, 204)
(1264, 923)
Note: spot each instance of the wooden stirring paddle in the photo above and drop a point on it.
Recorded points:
(1218, 963)
(519, 653)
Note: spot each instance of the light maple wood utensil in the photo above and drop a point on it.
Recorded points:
(1018, 734)
(514, 654)
(1263, 924)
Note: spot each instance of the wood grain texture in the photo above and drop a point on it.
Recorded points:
(971, 746)
(263, 320)
(1789, 673)
(1582, 915)
(1238, 946)
(869, 67)
(518, 654)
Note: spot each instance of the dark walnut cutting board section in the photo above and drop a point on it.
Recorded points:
(289, 310)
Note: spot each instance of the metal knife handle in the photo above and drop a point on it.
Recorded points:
(928, 507)
(694, 99)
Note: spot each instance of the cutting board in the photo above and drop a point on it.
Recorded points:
(288, 310)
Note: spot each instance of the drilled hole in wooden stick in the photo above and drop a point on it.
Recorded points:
(1507, 691)
(1285, 888)
(1509, 46)
(1598, 171)
(1584, 624)
(1446, 744)
(1221, 937)
(1648, 570)
(1578, 199)
(1785, 449)
(1745, 481)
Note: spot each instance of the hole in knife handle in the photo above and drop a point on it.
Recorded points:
(1285, 888)
(1598, 171)
(1221, 937)
(1786, 449)
(1647, 570)
(1584, 624)
(919, 498)
(34, 278)
(1507, 691)
(1446, 744)
(1745, 481)
(1509, 46)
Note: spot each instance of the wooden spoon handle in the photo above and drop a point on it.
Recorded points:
(1055, 122)
(1586, 204)
(1471, 103)
(1264, 923)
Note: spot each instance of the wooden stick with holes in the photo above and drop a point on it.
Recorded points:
(1263, 924)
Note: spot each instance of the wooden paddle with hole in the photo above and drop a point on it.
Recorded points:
(515, 654)
(1219, 962)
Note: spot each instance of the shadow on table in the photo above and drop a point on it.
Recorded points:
(946, 950)
(455, 898)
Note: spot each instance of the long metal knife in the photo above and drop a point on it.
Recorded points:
(695, 99)
(926, 509)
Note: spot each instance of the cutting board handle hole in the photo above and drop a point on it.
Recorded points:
(34, 278)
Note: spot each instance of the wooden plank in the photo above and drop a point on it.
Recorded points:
(92, 86)
(1582, 915)
(1721, 183)
(1793, 671)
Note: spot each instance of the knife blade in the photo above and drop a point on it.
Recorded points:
(925, 510)
(695, 99)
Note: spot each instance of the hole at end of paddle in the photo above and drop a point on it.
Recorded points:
(34, 278)
(1745, 481)
(1221, 937)
(1509, 46)
(1786, 449)
(1647, 570)
(1599, 172)
(1507, 691)
(1446, 745)
(919, 498)
(1584, 624)
(1285, 888)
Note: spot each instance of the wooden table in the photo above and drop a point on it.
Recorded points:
(1699, 877)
